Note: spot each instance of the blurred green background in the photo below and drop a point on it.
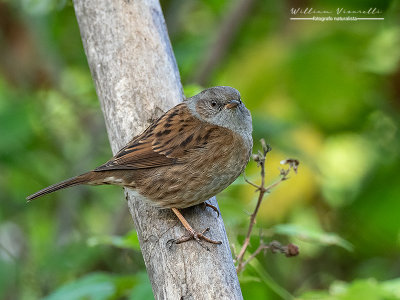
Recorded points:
(325, 93)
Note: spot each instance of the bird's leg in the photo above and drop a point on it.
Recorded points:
(192, 233)
(206, 204)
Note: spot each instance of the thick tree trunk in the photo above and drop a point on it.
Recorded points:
(136, 77)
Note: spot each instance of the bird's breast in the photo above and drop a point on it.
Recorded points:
(204, 173)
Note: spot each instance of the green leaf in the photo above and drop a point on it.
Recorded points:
(102, 286)
(383, 54)
(93, 286)
(249, 278)
(392, 286)
(366, 289)
(129, 241)
(306, 234)
(142, 289)
(269, 280)
(316, 295)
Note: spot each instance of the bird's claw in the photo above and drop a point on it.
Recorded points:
(212, 207)
(197, 236)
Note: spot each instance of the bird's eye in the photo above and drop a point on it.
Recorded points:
(213, 103)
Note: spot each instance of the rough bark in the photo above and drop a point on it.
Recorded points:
(136, 78)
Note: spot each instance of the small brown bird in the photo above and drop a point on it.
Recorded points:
(191, 153)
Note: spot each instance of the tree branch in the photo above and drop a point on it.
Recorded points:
(136, 78)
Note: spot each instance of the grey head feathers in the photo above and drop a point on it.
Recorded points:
(222, 106)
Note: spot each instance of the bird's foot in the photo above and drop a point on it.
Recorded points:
(193, 235)
(197, 236)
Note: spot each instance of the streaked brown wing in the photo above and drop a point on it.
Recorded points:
(167, 142)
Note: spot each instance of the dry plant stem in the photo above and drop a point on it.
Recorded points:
(290, 250)
(253, 217)
(259, 249)
(262, 191)
(260, 159)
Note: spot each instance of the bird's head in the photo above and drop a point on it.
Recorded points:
(223, 106)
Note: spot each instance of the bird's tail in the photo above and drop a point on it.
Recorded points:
(81, 179)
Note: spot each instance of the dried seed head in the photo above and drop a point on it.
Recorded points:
(256, 157)
(291, 250)
(266, 147)
(292, 162)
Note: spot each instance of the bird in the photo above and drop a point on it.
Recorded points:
(191, 153)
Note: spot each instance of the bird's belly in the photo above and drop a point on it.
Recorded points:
(186, 185)
(192, 190)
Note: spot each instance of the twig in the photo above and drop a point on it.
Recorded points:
(289, 250)
(260, 159)
(251, 183)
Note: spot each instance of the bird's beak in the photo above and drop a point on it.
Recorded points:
(232, 104)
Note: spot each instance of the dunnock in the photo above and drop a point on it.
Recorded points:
(188, 155)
